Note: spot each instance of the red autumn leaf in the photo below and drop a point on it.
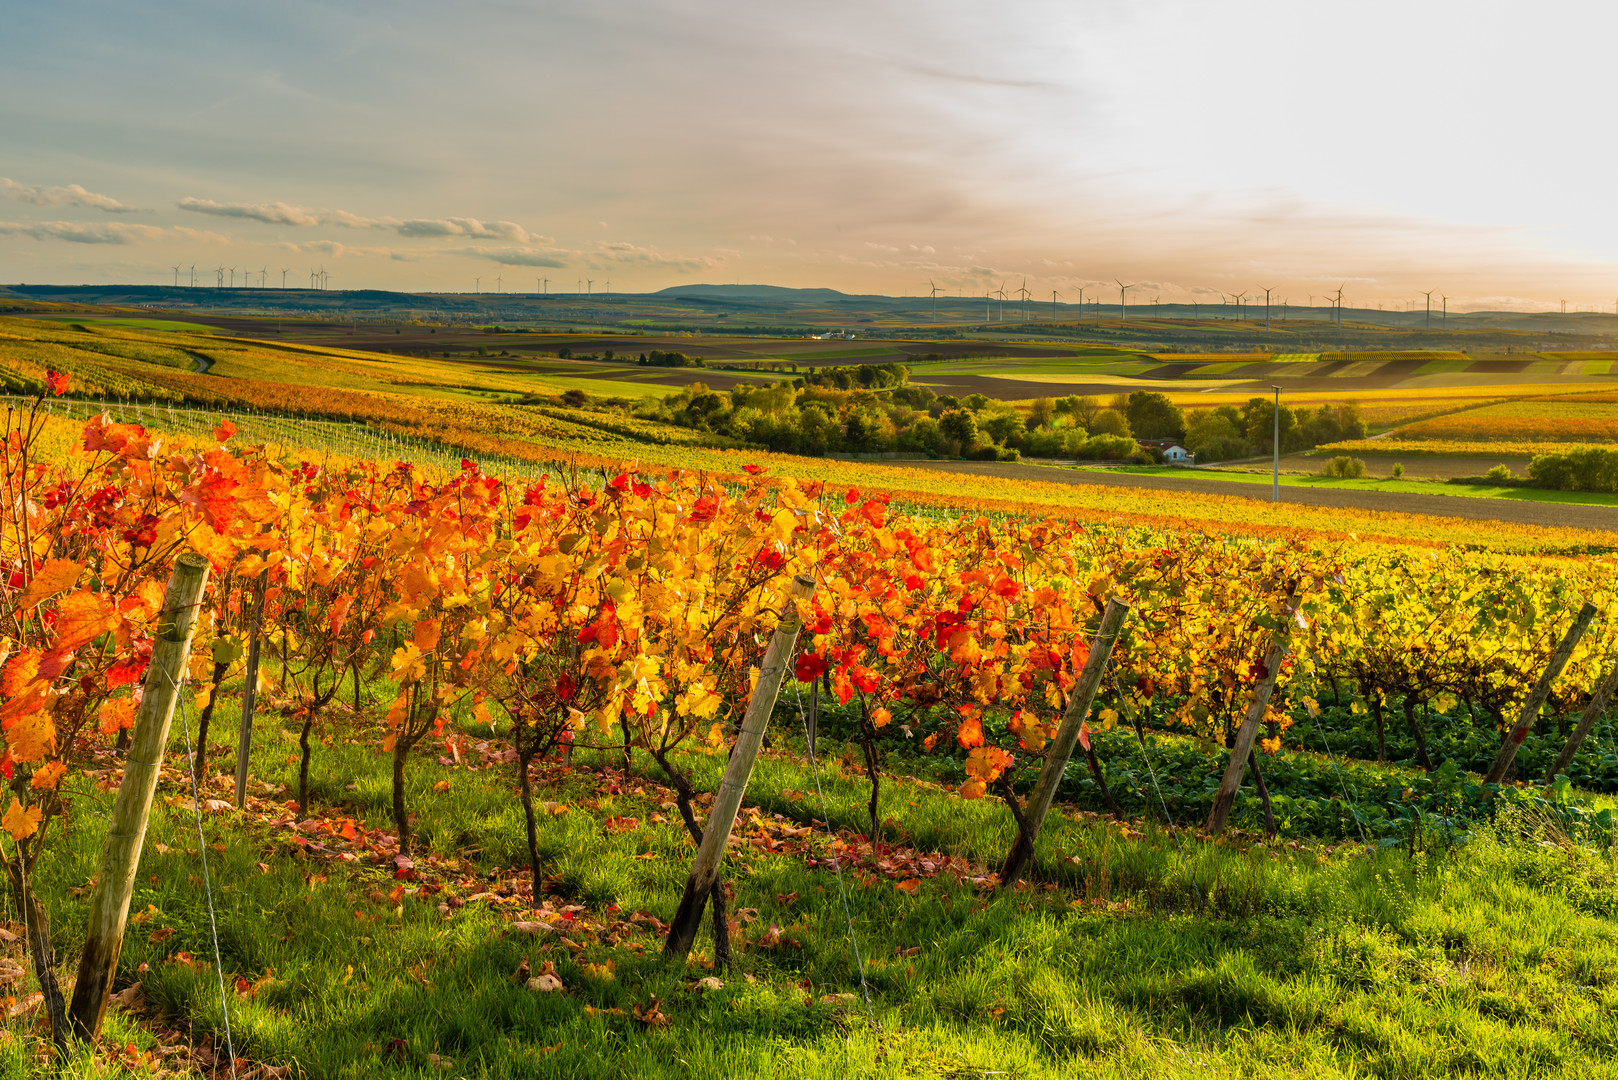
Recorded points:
(809, 667)
(753, 469)
(215, 497)
(851, 496)
(223, 431)
(1084, 735)
(57, 382)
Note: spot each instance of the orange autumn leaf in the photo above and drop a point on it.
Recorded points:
(116, 714)
(20, 823)
(53, 577)
(970, 734)
(82, 617)
(425, 635)
(31, 737)
(19, 672)
(47, 776)
(337, 612)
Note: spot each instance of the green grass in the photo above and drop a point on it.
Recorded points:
(133, 323)
(1419, 487)
(1498, 958)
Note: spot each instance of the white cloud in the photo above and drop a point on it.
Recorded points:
(276, 213)
(71, 195)
(80, 233)
(472, 227)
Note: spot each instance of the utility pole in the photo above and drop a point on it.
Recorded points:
(1275, 484)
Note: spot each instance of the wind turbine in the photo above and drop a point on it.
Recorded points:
(1000, 312)
(1054, 295)
(589, 284)
(311, 277)
(1337, 303)
(193, 275)
(933, 291)
(219, 277)
(1267, 307)
(176, 277)
(1123, 310)
(1429, 295)
(499, 283)
(1239, 297)
(988, 303)
(545, 286)
(283, 277)
(232, 270)
(1025, 295)
(477, 285)
(608, 288)
(1445, 324)
(264, 276)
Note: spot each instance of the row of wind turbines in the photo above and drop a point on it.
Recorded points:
(542, 286)
(318, 279)
(1334, 300)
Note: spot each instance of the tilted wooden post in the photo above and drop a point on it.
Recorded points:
(1061, 750)
(728, 799)
(244, 741)
(126, 831)
(1592, 712)
(1536, 699)
(1248, 732)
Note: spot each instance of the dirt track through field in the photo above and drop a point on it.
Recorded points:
(1549, 515)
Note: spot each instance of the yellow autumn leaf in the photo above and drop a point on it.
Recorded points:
(21, 823)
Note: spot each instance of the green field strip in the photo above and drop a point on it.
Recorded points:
(1443, 367)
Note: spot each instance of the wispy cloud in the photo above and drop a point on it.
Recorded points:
(71, 195)
(471, 227)
(275, 213)
(75, 232)
(512, 256)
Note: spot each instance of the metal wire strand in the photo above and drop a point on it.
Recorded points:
(1174, 831)
(207, 882)
(1353, 808)
(836, 863)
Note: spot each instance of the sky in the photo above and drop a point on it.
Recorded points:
(1194, 150)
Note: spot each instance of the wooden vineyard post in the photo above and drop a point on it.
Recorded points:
(244, 741)
(728, 799)
(1248, 732)
(1592, 712)
(1536, 698)
(126, 830)
(1061, 750)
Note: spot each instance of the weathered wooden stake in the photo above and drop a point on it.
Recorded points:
(244, 741)
(1536, 699)
(1592, 712)
(728, 799)
(1061, 749)
(1248, 732)
(126, 831)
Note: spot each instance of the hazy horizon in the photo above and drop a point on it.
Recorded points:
(868, 148)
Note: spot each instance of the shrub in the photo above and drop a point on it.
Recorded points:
(1344, 468)
(1398, 469)
(1588, 469)
(1499, 474)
